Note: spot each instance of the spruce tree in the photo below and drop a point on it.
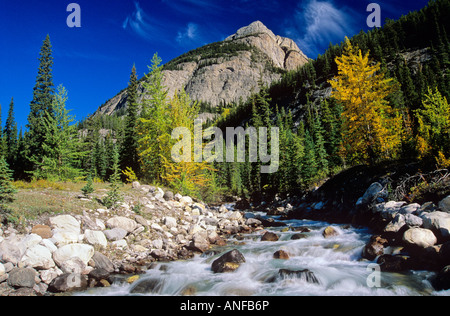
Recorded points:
(10, 135)
(40, 105)
(2, 141)
(61, 146)
(129, 156)
(113, 196)
(309, 161)
(21, 160)
(6, 188)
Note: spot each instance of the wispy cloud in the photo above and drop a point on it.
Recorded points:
(140, 23)
(188, 34)
(194, 7)
(317, 23)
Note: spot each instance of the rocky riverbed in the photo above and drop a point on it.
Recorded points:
(72, 252)
(405, 236)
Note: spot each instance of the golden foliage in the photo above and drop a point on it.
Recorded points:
(371, 129)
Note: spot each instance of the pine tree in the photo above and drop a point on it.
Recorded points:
(2, 139)
(88, 188)
(129, 156)
(433, 138)
(7, 190)
(21, 159)
(61, 144)
(309, 162)
(113, 196)
(371, 129)
(41, 104)
(10, 135)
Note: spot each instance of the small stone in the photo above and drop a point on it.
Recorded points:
(329, 232)
(269, 236)
(281, 254)
(132, 279)
(42, 230)
(228, 262)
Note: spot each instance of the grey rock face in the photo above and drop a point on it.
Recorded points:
(228, 77)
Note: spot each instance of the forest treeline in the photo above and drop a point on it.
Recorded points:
(383, 104)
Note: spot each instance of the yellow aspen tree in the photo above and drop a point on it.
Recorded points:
(371, 128)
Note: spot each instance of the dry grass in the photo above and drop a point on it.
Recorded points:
(43, 198)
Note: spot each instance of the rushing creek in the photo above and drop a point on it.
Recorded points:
(335, 261)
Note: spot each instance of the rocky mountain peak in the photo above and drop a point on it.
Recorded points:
(254, 28)
(227, 71)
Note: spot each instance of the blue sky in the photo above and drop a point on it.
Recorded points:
(94, 61)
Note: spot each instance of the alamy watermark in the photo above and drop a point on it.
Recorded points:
(374, 18)
(374, 278)
(258, 142)
(74, 18)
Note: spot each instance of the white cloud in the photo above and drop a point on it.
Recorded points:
(317, 23)
(139, 22)
(190, 33)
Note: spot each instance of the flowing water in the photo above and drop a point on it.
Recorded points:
(335, 261)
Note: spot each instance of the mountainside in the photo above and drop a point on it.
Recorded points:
(227, 71)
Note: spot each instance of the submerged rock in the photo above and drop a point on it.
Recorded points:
(306, 275)
(228, 262)
(329, 232)
(442, 281)
(281, 254)
(269, 236)
(374, 248)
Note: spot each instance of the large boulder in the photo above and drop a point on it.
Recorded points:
(438, 222)
(419, 237)
(22, 277)
(95, 237)
(371, 193)
(396, 224)
(82, 251)
(68, 282)
(12, 249)
(122, 222)
(102, 262)
(38, 257)
(228, 262)
(444, 204)
(115, 234)
(65, 223)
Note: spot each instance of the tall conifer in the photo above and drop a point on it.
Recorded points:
(129, 151)
(40, 105)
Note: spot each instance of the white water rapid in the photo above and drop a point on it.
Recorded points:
(335, 262)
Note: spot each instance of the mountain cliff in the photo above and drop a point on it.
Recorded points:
(226, 71)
